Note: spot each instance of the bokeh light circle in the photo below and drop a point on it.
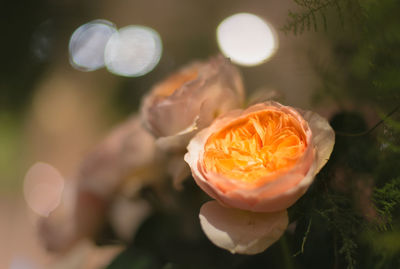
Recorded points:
(43, 188)
(87, 44)
(133, 51)
(246, 39)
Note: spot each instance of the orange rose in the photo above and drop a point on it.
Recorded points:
(190, 99)
(256, 163)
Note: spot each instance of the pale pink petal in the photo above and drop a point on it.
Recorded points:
(323, 137)
(126, 215)
(174, 143)
(172, 115)
(87, 255)
(178, 169)
(240, 231)
(126, 160)
(217, 89)
(137, 147)
(128, 147)
(101, 170)
(57, 231)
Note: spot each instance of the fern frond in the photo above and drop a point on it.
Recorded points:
(386, 200)
(313, 9)
(309, 16)
(343, 221)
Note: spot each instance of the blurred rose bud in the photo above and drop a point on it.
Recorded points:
(128, 152)
(256, 163)
(124, 162)
(85, 255)
(190, 99)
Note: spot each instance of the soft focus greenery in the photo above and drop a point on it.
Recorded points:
(364, 162)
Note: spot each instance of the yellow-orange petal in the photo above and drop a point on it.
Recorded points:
(253, 147)
(175, 81)
(240, 231)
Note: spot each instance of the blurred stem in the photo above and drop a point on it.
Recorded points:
(371, 129)
(287, 258)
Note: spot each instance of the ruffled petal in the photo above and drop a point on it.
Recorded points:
(323, 137)
(240, 231)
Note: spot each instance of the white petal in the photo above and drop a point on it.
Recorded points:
(323, 137)
(241, 231)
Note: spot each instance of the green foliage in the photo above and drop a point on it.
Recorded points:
(380, 249)
(344, 222)
(301, 251)
(387, 200)
(10, 154)
(298, 22)
(315, 12)
(386, 243)
(365, 71)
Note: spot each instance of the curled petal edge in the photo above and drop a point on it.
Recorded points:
(241, 231)
(323, 137)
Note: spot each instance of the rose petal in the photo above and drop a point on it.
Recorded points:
(57, 232)
(323, 137)
(126, 215)
(173, 143)
(128, 148)
(241, 231)
(179, 170)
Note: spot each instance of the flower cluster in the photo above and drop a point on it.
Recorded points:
(255, 162)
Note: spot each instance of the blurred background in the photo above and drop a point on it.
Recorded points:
(64, 84)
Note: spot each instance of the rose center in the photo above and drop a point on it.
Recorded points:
(255, 146)
(175, 81)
